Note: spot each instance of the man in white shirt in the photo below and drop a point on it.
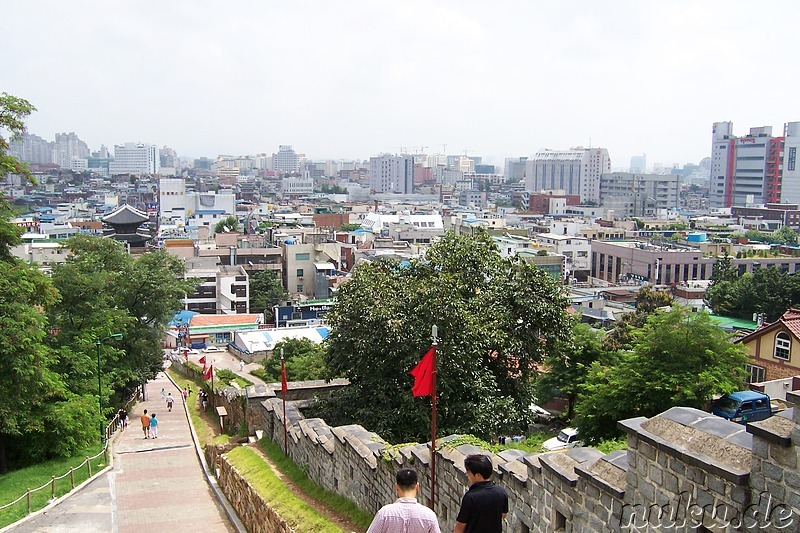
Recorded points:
(405, 514)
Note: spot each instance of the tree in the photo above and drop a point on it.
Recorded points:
(566, 369)
(786, 235)
(266, 290)
(305, 360)
(104, 291)
(227, 225)
(679, 358)
(648, 300)
(496, 318)
(349, 227)
(39, 415)
(13, 111)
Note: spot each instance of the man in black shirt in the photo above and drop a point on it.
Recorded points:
(485, 505)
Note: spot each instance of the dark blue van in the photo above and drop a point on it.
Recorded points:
(743, 406)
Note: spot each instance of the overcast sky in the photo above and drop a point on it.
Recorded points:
(350, 79)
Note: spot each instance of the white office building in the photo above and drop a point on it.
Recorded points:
(575, 171)
(391, 174)
(286, 161)
(297, 186)
(757, 168)
(134, 158)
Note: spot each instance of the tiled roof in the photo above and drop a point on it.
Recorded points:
(222, 320)
(791, 319)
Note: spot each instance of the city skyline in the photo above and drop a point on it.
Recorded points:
(351, 82)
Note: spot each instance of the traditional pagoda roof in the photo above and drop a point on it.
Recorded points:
(125, 214)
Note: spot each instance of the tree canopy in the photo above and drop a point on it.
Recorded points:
(266, 290)
(305, 360)
(766, 290)
(496, 318)
(677, 358)
(227, 225)
(566, 368)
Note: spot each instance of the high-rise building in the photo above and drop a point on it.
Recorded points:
(391, 173)
(286, 160)
(638, 164)
(575, 171)
(758, 168)
(636, 195)
(134, 158)
(68, 146)
(32, 149)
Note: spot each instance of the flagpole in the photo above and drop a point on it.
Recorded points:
(434, 331)
(283, 391)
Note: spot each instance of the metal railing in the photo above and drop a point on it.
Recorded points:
(110, 428)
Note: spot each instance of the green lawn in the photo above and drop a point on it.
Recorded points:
(15, 483)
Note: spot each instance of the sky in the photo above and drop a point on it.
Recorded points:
(352, 79)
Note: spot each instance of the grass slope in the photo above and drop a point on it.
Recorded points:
(15, 483)
(300, 516)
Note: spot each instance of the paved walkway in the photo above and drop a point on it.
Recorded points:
(230, 362)
(155, 485)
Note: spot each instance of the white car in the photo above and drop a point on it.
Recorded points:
(566, 438)
(213, 349)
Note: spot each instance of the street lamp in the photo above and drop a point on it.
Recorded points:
(100, 383)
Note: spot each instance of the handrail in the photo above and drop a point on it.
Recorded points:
(110, 429)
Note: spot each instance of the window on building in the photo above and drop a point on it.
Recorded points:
(783, 346)
(299, 288)
(302, 257)
(299, 272)
(755, 374)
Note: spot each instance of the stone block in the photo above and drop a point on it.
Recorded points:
(716, 485)
(776, 490)
(772, 472)
(671, 482)
(785, 457)
(647, 491)
(647, 450)
(792, 479)
(679, 467)
(656, 475)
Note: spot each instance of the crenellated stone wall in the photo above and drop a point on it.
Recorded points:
(683, 469)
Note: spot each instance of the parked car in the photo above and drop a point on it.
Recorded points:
(743, 406)
(566, 438)
(213, 349)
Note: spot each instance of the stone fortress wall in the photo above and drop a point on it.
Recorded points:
(684, 470)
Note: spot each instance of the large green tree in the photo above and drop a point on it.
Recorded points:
(678, 358)
(496, 319)
(106, 291)
(565, 369)
(39, 415)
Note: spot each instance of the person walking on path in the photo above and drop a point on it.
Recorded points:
(122, 415)
(170, 399)
(154, 426)
(185, 395)
(405, 514)
(145, 424)
(163, 392)
(485, 504)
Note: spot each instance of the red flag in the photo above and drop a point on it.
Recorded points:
(284, 385)
(423, 375)
(202, 361)
(209, 374)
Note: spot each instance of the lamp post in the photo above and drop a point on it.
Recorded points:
(100, 383)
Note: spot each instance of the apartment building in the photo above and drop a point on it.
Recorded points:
(575, 171)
